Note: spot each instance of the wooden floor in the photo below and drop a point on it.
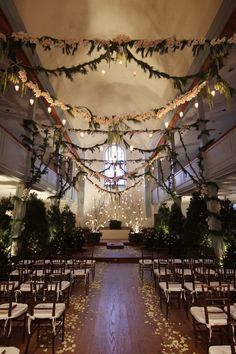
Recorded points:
(121, 315)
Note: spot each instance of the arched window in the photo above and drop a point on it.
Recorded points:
(114, 166)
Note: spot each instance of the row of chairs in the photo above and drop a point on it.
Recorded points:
(38, 291)
(206, 290)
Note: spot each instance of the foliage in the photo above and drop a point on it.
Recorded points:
(136, 238)
(228, 219)
(6, 205)
(62, 229)
(35, 235)
(162, 223)
(195, 228)
(176, 221)
(149, 237)
(94, 237)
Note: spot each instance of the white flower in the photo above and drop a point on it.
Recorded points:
(9, 213)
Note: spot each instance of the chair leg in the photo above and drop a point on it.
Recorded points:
(53, 343)
(167, 309)
(28, 343)
(160, 296)
(63, 328)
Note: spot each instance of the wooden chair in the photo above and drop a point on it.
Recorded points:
(225, 349)
(170, 289)
(214, 314)
(146, 262)
(80, 271)
(48, 315)
(12, 312)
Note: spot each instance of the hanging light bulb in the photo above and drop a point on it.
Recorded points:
(49, 109)
(213, 92)
(31, 101)
(82, 134)
(150, 135)
(134, 73)
(101, 148)
(63, 121)
(17, 87)
(196, 104)
(166, 124)
(181, 114)
(131, 148)
(103, 72)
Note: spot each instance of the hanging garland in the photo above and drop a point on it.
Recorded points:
(144, 46)
(86, 114)
(179, 81)
(117, 193)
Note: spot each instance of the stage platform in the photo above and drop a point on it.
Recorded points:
(127, 254)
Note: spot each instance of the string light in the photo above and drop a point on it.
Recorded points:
(134, 73)
(101, 148)
(31, 101)
(82, 134)
(150, 135)
(103, 72)
(131, 148)
(213, 92)
(181, 114)
(17, 87)
(63, 121)
(49, 109)
(166, 125)
(196, 104)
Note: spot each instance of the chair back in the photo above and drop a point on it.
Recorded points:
(216, 301)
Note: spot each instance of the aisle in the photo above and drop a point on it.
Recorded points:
(121, 315)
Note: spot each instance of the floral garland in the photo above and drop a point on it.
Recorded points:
(85, 113)
(145, 46)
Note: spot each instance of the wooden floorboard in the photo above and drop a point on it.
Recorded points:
(121, 315)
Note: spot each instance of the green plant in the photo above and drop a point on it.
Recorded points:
(6, 208)
(35, 235)
(176, 221)
(63, 233)
(136, 238)
(195, 228)
(93, 237)
(162, 221)
(228, 219)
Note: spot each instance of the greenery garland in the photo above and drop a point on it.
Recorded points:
(179, 81)
(144, 46)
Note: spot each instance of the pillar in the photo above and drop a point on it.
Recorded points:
(210, 189)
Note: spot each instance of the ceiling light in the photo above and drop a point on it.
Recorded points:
(31, 101)
(49, 109)
(150, 135)
(17, 87)
(82, 134)
(101, 148)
